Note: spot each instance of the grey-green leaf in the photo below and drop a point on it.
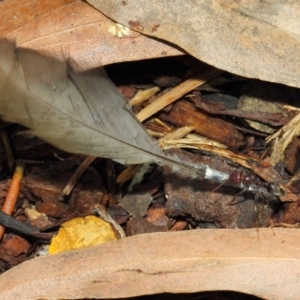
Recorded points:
(79, 113)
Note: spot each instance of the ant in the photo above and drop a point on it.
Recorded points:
(248, 182)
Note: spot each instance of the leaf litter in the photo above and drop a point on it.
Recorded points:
(178, 199)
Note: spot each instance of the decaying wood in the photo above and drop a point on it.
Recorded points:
(274, 119)
(174, 262)
(185, 114)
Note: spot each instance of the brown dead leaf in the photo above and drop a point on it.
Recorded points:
(174, 262)
(259, 39)
(72, 29)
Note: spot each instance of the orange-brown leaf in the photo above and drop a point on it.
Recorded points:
(72, 29)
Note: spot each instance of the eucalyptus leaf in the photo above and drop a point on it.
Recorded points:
(202, 260)
(78, 113)
(257, 39)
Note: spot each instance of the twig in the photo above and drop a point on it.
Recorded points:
(111, 182)
(100, 210)
(144, 95)
(7, 147)
(176, 93)
(77, 174)
(22, 227)
(12, 194)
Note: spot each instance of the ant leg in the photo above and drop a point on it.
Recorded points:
(215, 189)
(238, 194)
(271, 223)
(257, 214)
(224, 182)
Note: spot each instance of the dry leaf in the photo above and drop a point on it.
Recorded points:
(283, 137)
(79, 113)
(259, 39)
(72, 29)
(194, 141)
(174, 262)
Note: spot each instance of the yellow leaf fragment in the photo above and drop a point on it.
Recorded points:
(80, 233)
(118, 30)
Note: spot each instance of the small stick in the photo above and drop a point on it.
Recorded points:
(100, 210)
(7, 147)
(177, 92)
(111, 182)
(22, 227)
(144, 95)
(77, 174)
(12, 194)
